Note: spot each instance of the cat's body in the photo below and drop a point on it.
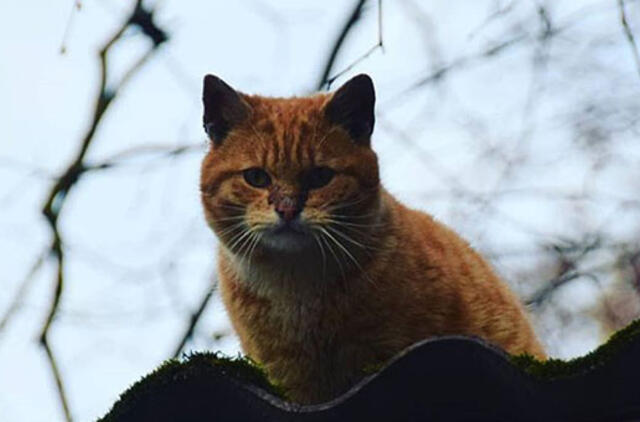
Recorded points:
(324, 273)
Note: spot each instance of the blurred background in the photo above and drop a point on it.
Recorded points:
(515, 122)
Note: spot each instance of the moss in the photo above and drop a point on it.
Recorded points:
(194, 365)
(240, 367)
(373, 368)
(205, 365)
(557, 368)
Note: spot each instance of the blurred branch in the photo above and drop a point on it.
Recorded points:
(77, 5)
(353, 18)
(325, 80)
(32, 169)
(353, 64)
(492, 51)
(499, 12)
(463, 62)
(165, 151)
(569, 256)
(194, 319)
(627, 32)
(52, 208)
(22, 290)
(551, 286)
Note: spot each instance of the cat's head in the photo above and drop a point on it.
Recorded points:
(290, 174)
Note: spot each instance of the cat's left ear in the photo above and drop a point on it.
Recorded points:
(224, 108)
(352, 107)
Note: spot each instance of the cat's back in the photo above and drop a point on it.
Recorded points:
(442, 286)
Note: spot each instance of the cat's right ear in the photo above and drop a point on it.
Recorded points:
(352, 107)
(224, 108)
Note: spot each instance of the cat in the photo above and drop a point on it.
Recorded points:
(322, 272)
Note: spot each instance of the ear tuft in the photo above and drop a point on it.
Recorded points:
(224, 108)
(352, 107)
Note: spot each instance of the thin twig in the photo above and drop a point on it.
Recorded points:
(629, 35)
(121, 157)
(22, 290)
(77, 5)
(440, 73)
(352, 65)
(353, 18)
(380, 37)
(56, 249)
(553, 285)
(55, 200)
(379, 45)
(570, 255)
(194, 319)
(464, 62)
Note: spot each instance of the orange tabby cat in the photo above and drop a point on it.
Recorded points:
(323, 272)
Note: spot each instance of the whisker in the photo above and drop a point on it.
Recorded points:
(346, 204)
(231, 228)
(243, 235)
(335, 256)
(346, 251)
(258, 237)
(324, 256)
(234, 210)
(351, 218)
(236, 237)
(341, 246)
(246, 245)
(361, 197)
(351, 224)
(347, 238)
(232, 218)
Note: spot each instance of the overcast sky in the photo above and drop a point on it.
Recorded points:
(139, 256)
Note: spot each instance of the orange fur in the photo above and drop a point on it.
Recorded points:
(379, 278)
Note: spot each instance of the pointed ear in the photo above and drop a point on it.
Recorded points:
(352, 106)
(224, 108)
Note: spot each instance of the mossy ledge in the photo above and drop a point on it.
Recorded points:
(199, 364)
(558, 368)
(437, 380)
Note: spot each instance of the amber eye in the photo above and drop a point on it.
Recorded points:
(257, 177)
(319, 177)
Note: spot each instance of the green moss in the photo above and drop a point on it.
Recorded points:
(557, 368)
(194, 365)
(373, 368)
(203, 365)
(240, 367)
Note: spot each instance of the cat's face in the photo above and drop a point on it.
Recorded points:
(292, 174)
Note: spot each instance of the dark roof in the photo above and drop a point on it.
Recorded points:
(444, 379)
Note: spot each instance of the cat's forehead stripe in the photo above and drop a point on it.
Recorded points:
(286, 128)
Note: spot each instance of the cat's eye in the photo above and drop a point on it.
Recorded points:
(257, 177)
(319, 177)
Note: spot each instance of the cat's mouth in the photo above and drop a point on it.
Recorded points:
(288, 236)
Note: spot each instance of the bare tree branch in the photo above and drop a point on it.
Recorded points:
(627, 32)
(52, 207)
(379, 45)
(77, 5)
(22, 290)
(121, 157)
(348, 26)
(194, 319)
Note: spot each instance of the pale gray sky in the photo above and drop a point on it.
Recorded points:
(138, 252)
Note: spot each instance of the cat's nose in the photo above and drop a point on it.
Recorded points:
(288, 208)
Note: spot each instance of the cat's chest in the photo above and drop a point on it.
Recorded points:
(278, 317)
(308, 321)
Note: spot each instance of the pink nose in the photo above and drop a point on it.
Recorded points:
(287, 208)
